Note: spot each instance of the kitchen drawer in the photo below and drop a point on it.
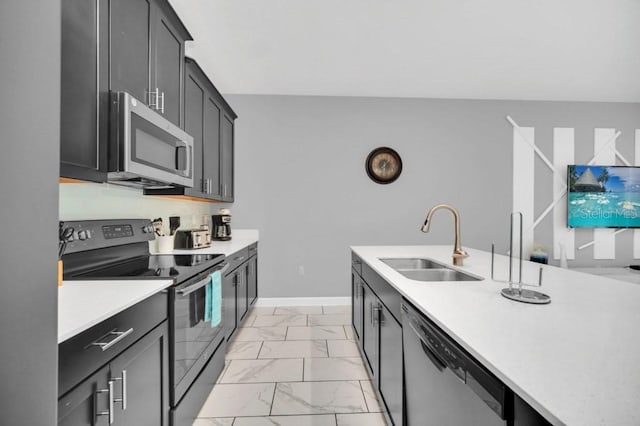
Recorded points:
(356, 263)
(253, 249)
(237, 259)
(385, 292)
(78, 358)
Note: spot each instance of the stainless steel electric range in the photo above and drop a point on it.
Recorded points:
(119, 249)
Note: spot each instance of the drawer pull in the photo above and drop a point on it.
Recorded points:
(119, 336)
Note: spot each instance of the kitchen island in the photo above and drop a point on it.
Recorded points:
(573, 360)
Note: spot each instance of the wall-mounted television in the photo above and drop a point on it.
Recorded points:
(603, 196)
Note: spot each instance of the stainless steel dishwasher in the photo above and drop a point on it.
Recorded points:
(444, 385)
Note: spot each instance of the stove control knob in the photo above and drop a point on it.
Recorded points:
(82, 235)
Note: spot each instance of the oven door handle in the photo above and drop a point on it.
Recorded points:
(197, 286)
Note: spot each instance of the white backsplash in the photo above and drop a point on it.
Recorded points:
(82, 201)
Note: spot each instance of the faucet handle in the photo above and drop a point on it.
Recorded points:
(458, 256)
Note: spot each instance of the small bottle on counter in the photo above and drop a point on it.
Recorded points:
(539, 255)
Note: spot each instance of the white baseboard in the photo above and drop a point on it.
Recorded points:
(302, 301)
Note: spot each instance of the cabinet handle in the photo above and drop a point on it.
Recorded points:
(378, 315)
(210, 186)
(238, 258)
(123, 379)
(371, 312)
(161, 100)
(119, 336)
(109, 412)
(153, 99)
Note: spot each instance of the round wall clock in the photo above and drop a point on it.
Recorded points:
(383, 165)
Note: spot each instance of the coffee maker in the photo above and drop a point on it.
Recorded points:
(221, 223)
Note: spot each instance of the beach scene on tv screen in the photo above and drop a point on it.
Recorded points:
(603, 197)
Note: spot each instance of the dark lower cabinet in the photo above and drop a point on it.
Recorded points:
(241, 293)
(229, 303)
(390, 364)
(252, 280)
(370, 331)
(84, 404)
(117, 372)
(131, 390)
(239, 287)
(141, 379)
(356, 305)
(379, 336)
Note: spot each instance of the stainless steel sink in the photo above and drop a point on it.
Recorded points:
(420, 269)
(437, 275)
(412, 263)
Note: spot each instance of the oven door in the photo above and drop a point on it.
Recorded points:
(195, 336)
(151, 147)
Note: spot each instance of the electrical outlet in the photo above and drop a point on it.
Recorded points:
(300, 270)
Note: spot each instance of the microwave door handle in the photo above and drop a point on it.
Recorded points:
(187, 170)
(182, 145)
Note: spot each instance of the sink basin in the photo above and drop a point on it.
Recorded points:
(412, 263)
(420, 269)
(437, 275)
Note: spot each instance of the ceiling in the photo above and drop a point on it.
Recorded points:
(582, 50)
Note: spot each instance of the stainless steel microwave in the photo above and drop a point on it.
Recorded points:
(145, 149)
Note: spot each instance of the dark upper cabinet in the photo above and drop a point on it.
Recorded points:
(211, 163)
(136, 46)
(167, 69)
(194, 94)
(227, 154)
(210, 120)
(130, 42)
(147, 54)
(83, 90)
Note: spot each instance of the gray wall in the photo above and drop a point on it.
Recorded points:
(29, 129)
(300, 176)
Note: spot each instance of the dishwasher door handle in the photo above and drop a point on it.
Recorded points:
(430, 353)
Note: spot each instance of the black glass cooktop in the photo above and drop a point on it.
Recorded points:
(167, 266)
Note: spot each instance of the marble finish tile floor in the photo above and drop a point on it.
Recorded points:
(293, 366)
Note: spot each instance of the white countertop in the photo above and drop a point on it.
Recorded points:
(619, 273)
(574, 360)
(83, 304)
(240, 238)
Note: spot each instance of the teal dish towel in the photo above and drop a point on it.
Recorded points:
(208, 293)
(215, 308)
